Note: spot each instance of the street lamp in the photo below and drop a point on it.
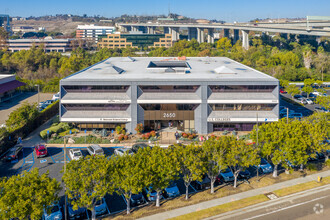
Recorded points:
(65, 198)
(37, 85)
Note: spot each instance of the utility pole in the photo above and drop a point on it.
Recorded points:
(287, 115)
(257, 145)
(65, 202)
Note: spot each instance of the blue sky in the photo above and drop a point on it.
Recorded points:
(234, 10)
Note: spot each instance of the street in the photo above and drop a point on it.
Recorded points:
(311, 204)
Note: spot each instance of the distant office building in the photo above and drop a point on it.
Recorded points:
(49, 44)
(135, 40)
(8, 86)
(5, 22)
(92, 32)
(24, 29)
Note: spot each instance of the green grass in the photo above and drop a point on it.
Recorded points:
(223, 208)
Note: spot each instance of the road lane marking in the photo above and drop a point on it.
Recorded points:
(288, 207)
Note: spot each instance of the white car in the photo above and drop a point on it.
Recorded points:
(122, 151)
(56, 96)
(75, 154)
(95, 150)
(310, 102)
(317, 93)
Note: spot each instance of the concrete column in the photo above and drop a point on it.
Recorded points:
(210, 35)
(199, 35)
(192, 33)
(151, 30)
(245, 41)
(236, 35)
(226, 33)
(134, 28)
(175, 33)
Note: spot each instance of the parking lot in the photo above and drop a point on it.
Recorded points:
(54, 163)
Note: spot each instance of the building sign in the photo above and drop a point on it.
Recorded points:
(169, 115)
(218, 119)
(114, 119)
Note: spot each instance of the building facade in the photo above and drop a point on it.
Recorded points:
(135, 40)
(92, 32)
(48, 43)
(197, 93)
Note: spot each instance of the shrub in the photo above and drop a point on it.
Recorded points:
(327, 163)
(123, 132)
(139, 128)
(119, 129)
(184, 135)
(225, 132)
(191, 137)
(311, 167)
(125, 137)
(55, 129)
(121, 137)
(153, 133)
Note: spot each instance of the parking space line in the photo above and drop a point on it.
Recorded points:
(124, 198)
(23, 162)
(32, 160)
(193, 188)
(87, 213)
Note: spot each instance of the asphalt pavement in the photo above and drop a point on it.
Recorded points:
(311, 204)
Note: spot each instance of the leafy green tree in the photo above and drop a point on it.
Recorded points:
(87, 181)
(240, 156)
(271, 137)
(323, 101)
(128, 173)
(21, 116)
(161, 169)
(24, 196)
(214, 157)
(308, 83)
(190, 162)
(292, 89)
(224, 44)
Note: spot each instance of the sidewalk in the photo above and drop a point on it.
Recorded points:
(238, 196)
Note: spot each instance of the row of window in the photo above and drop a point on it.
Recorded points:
(172, 88)
(96, 107)
(169, 107)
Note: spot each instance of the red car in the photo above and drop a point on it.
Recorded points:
(282, 91)
(41, 150)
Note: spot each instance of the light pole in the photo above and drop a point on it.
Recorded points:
(65, 202)
(37, 85)
(257, 145)
(287, 115)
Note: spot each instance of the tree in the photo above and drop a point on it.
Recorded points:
(214, 157)
(224, 44)
(292, 89)
(323, 101)
(3, 38)
(24, 196)
(189, 159)
(271, 141)
(308, 86)
(161, 169)
(21, 116)
(129, 173)
(240, 156)
(88, 181)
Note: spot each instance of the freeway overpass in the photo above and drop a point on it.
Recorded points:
(196, 30)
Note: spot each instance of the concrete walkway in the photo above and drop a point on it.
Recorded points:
(238, 196)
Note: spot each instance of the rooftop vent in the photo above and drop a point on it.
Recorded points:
(169, 66)
(224, 70)
(111, 69)
(129, 59)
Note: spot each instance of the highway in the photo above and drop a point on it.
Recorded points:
(311, 204)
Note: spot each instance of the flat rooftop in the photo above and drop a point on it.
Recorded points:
(169, 68)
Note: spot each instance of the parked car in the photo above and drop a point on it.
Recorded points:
(282, 91)
(264, 166)
(152, 194)
(301, 100)
(75, 154)
(204, 184)
(53, 212)
(40, 150)
(138, 146)
(56, 96)
(309, 101)
(48, 102)
(317, 93)
(101, 207)
(13, 153)
(95, 150)
(227, 175)
(311, 95)
(297, 96)
(123, 151)
(244, 174)
(172, 190)
(137, 199)
(76, 214)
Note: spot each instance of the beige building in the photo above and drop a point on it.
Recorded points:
(135, 40)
